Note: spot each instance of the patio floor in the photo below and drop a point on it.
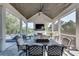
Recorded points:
(10, 51)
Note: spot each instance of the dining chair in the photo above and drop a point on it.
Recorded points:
(21, 45)
(36, 50)
(55, 50)
(66, 42)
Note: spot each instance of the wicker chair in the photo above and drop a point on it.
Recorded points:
(21, 45)
(55, 50)
(36, 50)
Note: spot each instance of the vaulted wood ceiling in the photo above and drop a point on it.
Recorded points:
(49, 9)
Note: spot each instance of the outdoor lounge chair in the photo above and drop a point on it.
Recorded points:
(36, 50)
(55, 50)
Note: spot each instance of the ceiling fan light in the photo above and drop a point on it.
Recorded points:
(39, 13)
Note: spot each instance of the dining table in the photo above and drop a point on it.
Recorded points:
(33, 41)
(44, 44)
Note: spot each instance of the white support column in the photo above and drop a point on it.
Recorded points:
(52, 30)
(26, 27)
(2, 27)
(20, 26)
(59, 30)
(77, 28)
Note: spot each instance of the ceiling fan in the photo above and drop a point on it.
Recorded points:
(42, 8)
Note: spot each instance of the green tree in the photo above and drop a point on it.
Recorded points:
(68, 27)
(12, 24)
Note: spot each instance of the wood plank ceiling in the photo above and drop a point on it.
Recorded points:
(49, 9)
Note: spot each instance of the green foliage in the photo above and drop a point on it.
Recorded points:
(12, 24)
(30, 31)
(68, 27)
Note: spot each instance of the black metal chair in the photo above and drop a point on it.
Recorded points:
(55, 50)
(21, 45)
(36, 50)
